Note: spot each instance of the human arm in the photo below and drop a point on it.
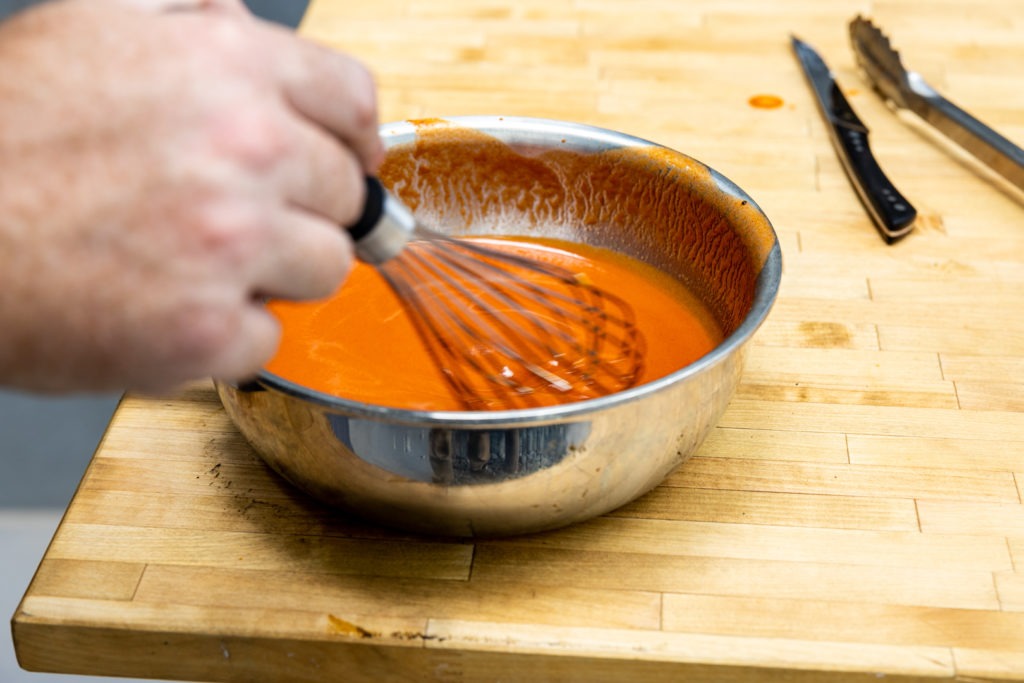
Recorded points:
(163, 167)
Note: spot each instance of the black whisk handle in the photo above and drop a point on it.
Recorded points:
(373, 208)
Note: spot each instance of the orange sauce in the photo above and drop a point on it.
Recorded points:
(765, 101)
(360, 343)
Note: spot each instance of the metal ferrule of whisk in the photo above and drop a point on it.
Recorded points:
(384, 228)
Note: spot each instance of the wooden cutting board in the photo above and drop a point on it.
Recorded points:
(856, 514)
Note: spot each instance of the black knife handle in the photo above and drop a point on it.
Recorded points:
(892, 214)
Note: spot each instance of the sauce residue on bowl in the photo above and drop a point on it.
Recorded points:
(361, 344)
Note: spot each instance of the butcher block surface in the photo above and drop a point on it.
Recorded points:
(856, 514)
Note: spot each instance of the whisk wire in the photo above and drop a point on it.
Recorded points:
(459, 311)
(540, 328)
(504, 328)
(440, 334)
(591, 314)
(500, 321)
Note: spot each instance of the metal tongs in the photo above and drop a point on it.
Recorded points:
(908, 90)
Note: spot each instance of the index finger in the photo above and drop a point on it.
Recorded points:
(336, 92)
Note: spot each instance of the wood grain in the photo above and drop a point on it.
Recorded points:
(764, 507)
(856, 514)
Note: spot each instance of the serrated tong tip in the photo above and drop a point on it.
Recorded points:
(880, 62)
(908, 90)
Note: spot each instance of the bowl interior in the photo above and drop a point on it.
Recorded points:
(528, 177)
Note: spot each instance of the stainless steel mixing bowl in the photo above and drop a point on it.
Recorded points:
(511, 472)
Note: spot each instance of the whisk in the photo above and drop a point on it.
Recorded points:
(506, 330)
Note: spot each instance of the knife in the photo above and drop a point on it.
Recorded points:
(908, 90)
(891, 213)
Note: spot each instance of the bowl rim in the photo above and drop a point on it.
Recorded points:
(766, 291)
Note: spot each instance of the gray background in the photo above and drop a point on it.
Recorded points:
(45, 445)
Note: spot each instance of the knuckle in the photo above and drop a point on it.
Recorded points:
(347, 204)
(243, 119)
(232, 39)
(228, 341)
(206, 333)
(232, 232)
(332, 265)
(256, 345)
(255, 137)
(313, 265)
(364, 99)
(264, 336)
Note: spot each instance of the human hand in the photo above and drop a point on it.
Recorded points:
(163, 167)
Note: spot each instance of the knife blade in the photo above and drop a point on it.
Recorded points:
(905, 89)
(891, 213)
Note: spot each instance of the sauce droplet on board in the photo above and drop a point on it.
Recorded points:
(765, 101)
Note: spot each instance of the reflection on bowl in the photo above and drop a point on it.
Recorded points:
(516, 471)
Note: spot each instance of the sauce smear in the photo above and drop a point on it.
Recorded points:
(765, 101)
(361, 344)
